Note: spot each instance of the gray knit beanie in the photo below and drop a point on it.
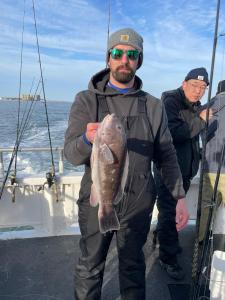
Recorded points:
(126, 36)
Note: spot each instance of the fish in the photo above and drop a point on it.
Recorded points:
(109, 170)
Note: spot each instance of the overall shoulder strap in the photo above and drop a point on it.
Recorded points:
(103, 108)
(142, 105)
(142, 110)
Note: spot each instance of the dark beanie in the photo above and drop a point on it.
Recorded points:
(199, 74)
(221, 87)
(126, 36)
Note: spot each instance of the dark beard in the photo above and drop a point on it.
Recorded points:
(123, 77)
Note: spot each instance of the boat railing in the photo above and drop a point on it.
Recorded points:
(32, 149)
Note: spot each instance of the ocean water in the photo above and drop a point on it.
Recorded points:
(35, 134)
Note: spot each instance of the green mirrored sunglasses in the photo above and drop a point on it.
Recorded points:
(118, 53)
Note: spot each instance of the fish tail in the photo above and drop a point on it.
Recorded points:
(108, 220)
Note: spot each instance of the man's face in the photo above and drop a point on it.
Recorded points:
(194, 89)
(123, 63)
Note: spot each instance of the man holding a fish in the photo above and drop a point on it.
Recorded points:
(116, 130)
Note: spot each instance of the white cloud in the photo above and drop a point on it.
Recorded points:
(178, 35)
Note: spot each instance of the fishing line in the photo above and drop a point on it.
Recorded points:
(14, 154)
(23, 124)
(44, 97)
(20, 132)
(19, 121)
(20, 85)
(26, 115)
(27, 102)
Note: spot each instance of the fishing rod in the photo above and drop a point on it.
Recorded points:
(27, 102)
(195, 263)
(108, 25)
(50, 176)
(19, 123)
(18, 114)
(210, 221)
(218, 110)
(21, 130)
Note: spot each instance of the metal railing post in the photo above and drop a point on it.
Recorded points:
(61, 163)
(32, 149)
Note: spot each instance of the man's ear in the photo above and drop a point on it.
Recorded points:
(107, 59)
(184, 84)
(140, 60)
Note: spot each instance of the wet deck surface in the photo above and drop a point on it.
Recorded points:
(42, 269)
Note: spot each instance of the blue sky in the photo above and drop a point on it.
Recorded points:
(178, 36)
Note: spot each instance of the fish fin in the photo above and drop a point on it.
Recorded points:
(93, 197)
(125, 172)
(119, 196)
(106, 154)
(120, 193)
(108, 219)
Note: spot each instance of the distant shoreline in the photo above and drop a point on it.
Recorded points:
(41, 101)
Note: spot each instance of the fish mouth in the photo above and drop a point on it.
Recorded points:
(110, 116)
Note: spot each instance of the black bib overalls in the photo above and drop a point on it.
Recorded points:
(134, 213)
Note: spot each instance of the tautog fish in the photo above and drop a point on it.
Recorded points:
(109, 163)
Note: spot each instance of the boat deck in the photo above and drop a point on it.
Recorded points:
(42, 269)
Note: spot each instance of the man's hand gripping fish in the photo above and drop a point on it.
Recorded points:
(109, 164)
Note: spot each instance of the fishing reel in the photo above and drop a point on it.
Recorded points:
(13, 179)
(14, 184)
(50, 181)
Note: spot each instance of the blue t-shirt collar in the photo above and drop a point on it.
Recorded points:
(121, 90)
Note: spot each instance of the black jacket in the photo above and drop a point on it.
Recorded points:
(84, 110)
(185, 126)
(215, 144)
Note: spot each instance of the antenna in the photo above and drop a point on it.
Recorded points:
(108, 26)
